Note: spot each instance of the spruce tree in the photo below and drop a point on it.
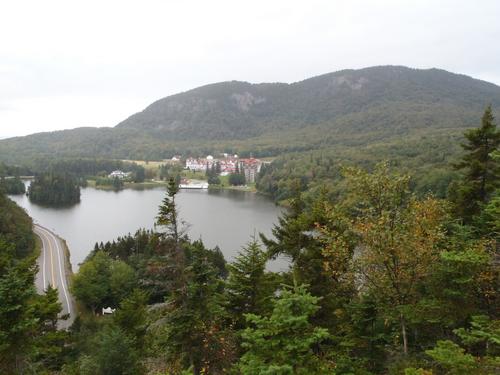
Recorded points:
(482, 171)
(195, 333)
(168, 213)
(249, 287)
(283, 343)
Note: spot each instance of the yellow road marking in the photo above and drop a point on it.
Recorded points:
(52, 263)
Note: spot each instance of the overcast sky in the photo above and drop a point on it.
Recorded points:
(65, 64)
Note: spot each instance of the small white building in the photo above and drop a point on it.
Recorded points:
(119, 174)
(107, 310)
(196, 164)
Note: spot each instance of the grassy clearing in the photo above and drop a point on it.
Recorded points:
(151, 165)
(194, 175)
(127, 185)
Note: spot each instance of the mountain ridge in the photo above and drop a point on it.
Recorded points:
(370, 103)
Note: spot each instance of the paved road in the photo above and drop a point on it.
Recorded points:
(53, 270)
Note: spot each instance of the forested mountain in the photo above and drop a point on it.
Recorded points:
(345, 108)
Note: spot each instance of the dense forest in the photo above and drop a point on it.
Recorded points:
(13, 171)
(12, 185)
(29, 340)
(54, 189)
(382, 280)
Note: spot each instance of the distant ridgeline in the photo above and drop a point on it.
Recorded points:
(412, 117)
(54, 189)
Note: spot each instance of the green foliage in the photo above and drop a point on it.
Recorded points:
(12, 185)
(17, 320)
(283, 342)
(426, 157)
(298, 237)
(411, 117)
(194, 331)
(399, 236)
(236, 179)
(167, 216)
(50, 344)
(90, 285)
(102, 282)
(489, 220)
(51, 189)
(112, 353)
(139, 174)
(384, 264)
(452, 357)
(28, 337)
(115, 183)
(456, 284)
(482, 171)
(483, 331)
(121, 281)
(15, 228)
(13, 171)
(249, 287)
(131, 316)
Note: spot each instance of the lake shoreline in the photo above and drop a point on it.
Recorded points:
(220, 217)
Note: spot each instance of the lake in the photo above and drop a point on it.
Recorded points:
(226, 218)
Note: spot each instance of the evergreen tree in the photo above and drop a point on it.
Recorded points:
(50, 343)
(298, 236)
(112, 352)
(482, 171)
(17, 320)
(283, 342)
(131, 317)
(168, 215)
(249, 288)
(172, 261)
(194, 331)
(140, 174)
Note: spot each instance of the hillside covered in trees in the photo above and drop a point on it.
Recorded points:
(54, 189)
(381, 281)
(29, 340)
(349, 109)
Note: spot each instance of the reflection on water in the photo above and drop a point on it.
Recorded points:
(225, 218)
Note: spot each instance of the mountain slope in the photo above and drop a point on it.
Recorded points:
(347, 107)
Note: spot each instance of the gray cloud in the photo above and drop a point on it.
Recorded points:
(67, 64)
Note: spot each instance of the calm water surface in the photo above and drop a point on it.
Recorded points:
(225, 218)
